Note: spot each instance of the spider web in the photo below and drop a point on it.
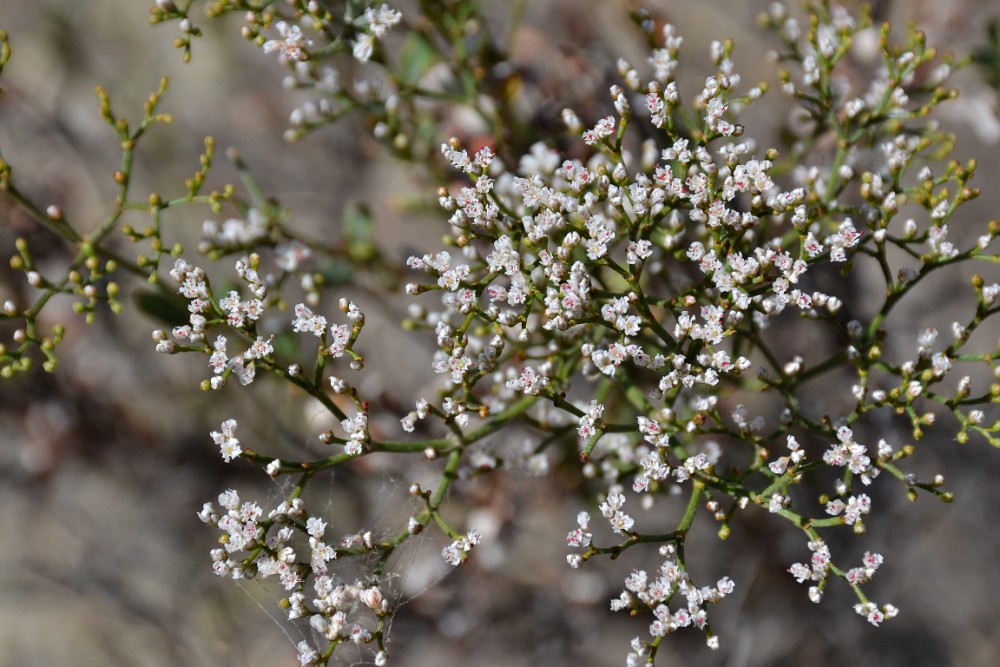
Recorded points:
(383, 518)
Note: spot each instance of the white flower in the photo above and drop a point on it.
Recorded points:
(458, 551)
(292, 44)
(363, 47)
(228, 444)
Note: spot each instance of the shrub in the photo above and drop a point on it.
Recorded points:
(669, 317)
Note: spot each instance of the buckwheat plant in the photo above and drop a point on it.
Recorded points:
(695, 321)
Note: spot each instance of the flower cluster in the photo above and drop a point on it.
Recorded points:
(457, 552)
(260, 547)
(227, 442)
(643, 592)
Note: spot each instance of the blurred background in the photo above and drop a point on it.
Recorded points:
(104, 464)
